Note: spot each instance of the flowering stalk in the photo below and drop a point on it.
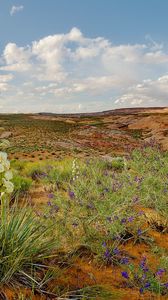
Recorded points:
(6, 186)
(75, 170)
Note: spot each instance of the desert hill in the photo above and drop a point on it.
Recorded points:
(50, 135)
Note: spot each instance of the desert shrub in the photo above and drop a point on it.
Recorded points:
(61, 172)
(99, 203)
(115, 163)
(148, 178)
(18, 165)
(96, 211)
(36, 173)
(58, 175)
(118, 164)
(136, 134)
(21, 185)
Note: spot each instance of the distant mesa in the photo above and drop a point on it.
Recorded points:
(118, 111)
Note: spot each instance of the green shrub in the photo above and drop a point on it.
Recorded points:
(21, 185)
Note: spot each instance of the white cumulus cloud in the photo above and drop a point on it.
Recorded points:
(4, 79)
(16, 9)
(74, 72)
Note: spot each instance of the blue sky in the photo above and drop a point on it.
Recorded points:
(77, 56)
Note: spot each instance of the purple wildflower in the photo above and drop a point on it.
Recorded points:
(125, 275)
(116, 251)
(43, 174)
(140, 213)
(124, 260)
(141, 290)
(49, 203)
(145, 269)
(160, 272)
(51, 196)
(130, 219)
(138, 180)
(143, 265)
(71, 194)
(143, 276)
(90, 206)
(147, 285)
(123, 221)
(143, 262)
(104, 244)
(166, 284)
(107, 254)
(56, 208)
(139, 231)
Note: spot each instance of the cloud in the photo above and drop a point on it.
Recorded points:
(75, 72)
(150, 92)
(16, 9)
(4, 79)
(16, 58)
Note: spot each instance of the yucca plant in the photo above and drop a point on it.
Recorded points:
(24, 241)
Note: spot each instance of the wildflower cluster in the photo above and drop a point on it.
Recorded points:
(145, 278)
(52, 210)
(113, 255)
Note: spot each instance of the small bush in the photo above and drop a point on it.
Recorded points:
(21, 185)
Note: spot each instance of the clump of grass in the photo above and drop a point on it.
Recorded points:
(148, 178)
(117, 164)
(21, 185)
(25, 243)
(136, 133)
(92, 292)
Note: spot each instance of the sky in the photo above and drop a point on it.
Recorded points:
(67, 56)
